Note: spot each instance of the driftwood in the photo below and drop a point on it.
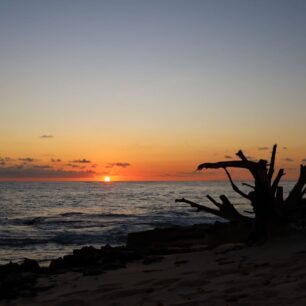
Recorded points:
(226, 209)
(266, 196)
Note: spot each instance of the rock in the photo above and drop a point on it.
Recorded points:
(13, 283)
(30, 265)
(90, 258)
(9, 268)
(87, 252)
(56, 264)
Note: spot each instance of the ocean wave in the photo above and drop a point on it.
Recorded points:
(69, 238)
(72, 213)
(43, 217)
(19, 242)
(64, 218)
(62, 239)
(23, 221)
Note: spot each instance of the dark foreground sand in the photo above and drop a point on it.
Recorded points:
(231, 274)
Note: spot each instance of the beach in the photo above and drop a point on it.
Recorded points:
(153, 153)
(193, 274)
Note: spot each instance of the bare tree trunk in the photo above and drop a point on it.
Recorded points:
(266, 198)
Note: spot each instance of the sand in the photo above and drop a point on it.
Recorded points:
(232, 274)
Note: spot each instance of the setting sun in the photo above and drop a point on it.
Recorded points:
(107, 179)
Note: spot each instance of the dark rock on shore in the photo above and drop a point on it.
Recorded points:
(30, 265)
(103, 259)
(187, 239)
(20, 279)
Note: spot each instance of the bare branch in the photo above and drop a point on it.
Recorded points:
(211, 199)
(272, 162)
(229, 164)
(279, 195)
(248, 185)
(241, 155)
(297, 191)
(277, 180)
(199, 207)
(235, 188)
(269, 208)
(226, 209)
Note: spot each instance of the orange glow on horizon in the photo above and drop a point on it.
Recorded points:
(107, 179)
(144, 166)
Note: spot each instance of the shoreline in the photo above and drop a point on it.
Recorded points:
(179, 266)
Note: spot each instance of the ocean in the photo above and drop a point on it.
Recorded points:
(46, 220)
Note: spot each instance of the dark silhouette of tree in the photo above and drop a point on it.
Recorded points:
(270, 208)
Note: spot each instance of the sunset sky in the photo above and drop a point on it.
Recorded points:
(147, 90)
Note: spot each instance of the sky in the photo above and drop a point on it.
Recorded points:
(147, 90)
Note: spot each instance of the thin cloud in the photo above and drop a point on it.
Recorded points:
(41, 167)
(41, 171)
(21, 166)
(228, 157)
(304, 160)
(28, 159)
(120, 164)
(72, 165)
(285, 148)
(81, 161)
(75, 166)
(46, 136)
(4, 160)
(288, 159)
(184, 174)
(55, 160)
(263, 148)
